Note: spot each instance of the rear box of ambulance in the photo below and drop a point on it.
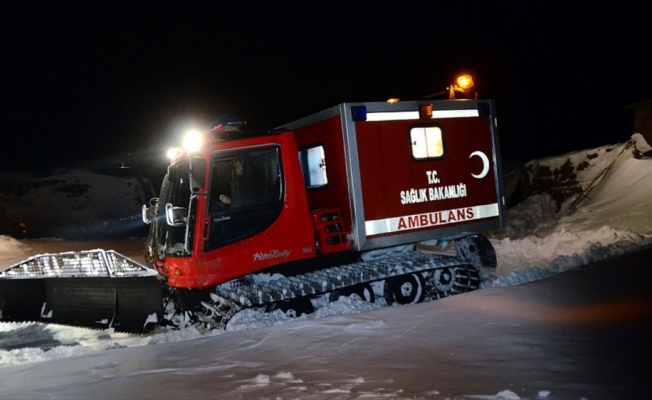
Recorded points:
(404, 172)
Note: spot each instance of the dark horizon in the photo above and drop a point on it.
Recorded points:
(87, 82)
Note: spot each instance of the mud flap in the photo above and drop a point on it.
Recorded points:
(477, 250)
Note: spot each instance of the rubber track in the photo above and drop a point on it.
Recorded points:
(234, 296)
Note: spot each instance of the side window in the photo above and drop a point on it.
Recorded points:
(427, 142)
(221, 182)
(313, 166)
(245, 179)
(245, 195)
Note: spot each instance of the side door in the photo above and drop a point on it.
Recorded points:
(245, 194)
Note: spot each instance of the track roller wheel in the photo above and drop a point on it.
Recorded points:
(293, 308)
(405, 289)
(363, 291)
(444, 282)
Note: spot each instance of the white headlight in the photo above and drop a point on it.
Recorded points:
(174, 153)
(192, 141)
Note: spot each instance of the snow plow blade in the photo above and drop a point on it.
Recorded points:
(94, 289)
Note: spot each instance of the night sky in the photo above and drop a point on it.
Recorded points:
(83, 82)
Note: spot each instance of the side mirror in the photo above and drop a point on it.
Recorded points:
(146, 215)
(175, 216)
(150, 212)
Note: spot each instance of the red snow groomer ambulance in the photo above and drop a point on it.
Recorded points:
(347, 180)
(341, 202)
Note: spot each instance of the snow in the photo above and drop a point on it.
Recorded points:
(520, 336)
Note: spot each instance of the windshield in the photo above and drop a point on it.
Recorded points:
(176, 190)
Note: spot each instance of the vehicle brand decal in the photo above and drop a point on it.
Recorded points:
(272, 254)
(424, 220)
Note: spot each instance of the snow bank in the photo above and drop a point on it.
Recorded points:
(70, 204)
(597, 206)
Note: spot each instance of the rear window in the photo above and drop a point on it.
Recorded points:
(427, 142)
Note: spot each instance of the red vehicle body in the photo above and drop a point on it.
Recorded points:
(355, 177)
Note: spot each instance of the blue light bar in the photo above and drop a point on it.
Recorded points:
(223, 122)
(359, 113)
